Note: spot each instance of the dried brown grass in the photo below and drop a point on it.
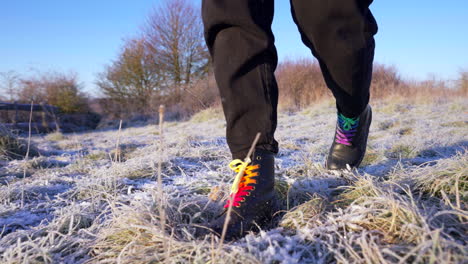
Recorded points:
(13, 147)
(300, 83)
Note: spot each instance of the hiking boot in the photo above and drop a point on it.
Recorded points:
(350, 142)
(253, 201)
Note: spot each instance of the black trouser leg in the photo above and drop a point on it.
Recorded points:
(340, 34)
(241, 44)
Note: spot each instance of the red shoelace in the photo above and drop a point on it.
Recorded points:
(242, 187)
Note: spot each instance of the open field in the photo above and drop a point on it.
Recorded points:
(81, 201)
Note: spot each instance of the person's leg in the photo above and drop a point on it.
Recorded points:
(239, 37)
(241, 44)
(340, 34)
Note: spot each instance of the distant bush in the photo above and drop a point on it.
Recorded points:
(386, 81)
(207, 114)
(462, 82)
(300, 83)
(58, 89)
(62, 90)
(196, 96)
(65, 92)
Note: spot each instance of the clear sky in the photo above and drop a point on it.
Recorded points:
(420, 37)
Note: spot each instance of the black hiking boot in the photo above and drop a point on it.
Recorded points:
(253, 203)
(350, 141)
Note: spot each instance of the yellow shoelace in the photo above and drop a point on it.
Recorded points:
(238, 166)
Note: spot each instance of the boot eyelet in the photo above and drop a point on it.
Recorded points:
(243, 199)
(237, 206)
(253, 188)
(259, 158)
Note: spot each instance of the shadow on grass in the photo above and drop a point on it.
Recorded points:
(428, 157)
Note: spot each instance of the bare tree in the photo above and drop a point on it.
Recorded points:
(174, 35)
(169, 57)
(31, 89)
(9, 84)
(133, 79)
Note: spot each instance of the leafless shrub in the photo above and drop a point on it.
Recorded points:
(54, 88)
(199, 95)
(8, 85)
(300, 83)
(462, 82)
(386, 81)
(131, 81)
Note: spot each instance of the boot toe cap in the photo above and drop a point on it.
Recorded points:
(341, 161)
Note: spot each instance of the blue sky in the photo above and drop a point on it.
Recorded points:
(422, 38)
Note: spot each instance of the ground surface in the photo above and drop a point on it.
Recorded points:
(408, 203)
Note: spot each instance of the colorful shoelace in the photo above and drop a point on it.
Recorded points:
(241, 186)
(347, 128)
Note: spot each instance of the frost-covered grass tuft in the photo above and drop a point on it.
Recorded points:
(134, 236)
(305, 215)
(372, 156)
(406, 204)
(363, 188)
(56, 136)
(207, 115)
(447, 179)
(12, 147)
(402, 150)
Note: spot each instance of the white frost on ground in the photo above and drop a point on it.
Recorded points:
(53, 208)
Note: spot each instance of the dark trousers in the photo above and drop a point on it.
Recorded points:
(340, 34)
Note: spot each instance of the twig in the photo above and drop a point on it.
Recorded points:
(26, 157)
(29, 131)
(196, 97)
(117, 156)
(229, 211)
(162, 215)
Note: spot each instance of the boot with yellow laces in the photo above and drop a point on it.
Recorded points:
(252, 197)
